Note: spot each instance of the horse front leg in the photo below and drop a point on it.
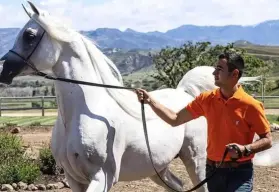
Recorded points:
(75, 185)
(101, 182)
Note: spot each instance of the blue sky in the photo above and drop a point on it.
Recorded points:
(144, 15)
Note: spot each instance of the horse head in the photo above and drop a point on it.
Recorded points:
(36, 48)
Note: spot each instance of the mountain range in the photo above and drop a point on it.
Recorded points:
(263, 33)
(122, 46)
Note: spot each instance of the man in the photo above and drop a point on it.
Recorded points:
(233, 118)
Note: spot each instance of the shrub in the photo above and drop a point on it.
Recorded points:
(19, 170)
(47, 162)
(35, 123)
(35, 104)
(9, 124)
(14, 165)
(53, 104)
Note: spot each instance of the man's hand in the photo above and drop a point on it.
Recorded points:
(233, 153)
(143, 95)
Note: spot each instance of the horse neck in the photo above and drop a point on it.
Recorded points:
(75, 98)
(93, 66)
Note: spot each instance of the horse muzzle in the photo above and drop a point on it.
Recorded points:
(10, 65)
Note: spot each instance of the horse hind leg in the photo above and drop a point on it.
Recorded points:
(194, 162)
(170, 179)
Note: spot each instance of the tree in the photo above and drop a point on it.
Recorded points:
(172, 63)
(33, 92)
(46, 91)
(52, 90)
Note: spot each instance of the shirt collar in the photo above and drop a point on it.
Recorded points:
(237, 95)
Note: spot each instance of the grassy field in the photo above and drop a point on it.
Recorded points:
(49, 121)
(271, 103)
(27, 121)
(273, 118)
(261, 49)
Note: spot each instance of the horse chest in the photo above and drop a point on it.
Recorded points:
(94, 142)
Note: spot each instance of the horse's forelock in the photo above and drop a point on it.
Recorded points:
(55, 28)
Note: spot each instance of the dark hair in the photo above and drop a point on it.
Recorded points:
(234, 61)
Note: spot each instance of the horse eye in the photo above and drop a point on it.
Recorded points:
(29, 36)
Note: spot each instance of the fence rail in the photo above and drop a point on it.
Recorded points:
(270, 102)
(43, 103)
(27, 103)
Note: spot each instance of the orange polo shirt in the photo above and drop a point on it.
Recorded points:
(235, 120)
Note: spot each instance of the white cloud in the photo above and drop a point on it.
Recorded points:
(150, 15)
(12, 16)
(54, 2)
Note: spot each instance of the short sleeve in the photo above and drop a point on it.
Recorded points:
(198, 106)
(256, 118)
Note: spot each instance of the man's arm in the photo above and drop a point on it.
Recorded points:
(257, 119)
(263, 143)
(169, 116)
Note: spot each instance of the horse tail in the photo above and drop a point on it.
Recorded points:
(201, 79)
(197, 80)
(268, 157)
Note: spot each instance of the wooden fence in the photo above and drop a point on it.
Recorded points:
(43, 103)
(270, 102)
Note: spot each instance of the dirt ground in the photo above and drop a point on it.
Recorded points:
(266, 178)
(54, 113)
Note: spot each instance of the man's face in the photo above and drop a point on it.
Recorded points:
(221, 74)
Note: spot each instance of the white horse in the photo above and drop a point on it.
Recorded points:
(98, 137)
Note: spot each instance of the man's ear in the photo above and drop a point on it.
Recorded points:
(235, 73)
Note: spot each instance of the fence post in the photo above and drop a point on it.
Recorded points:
(0, 107)
(43, 106)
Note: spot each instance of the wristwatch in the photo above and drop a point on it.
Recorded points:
(247, 151)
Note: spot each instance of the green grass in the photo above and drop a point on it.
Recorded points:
(27, 121)
(144, 73)
(20, 103)
(262, 49)
(271, 103)
(274, 92)
(16, 104)
(273, 118)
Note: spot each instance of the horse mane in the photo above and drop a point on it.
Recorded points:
(102, 63)
(63, 33)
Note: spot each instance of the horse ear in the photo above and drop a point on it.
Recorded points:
(34, 8)
(27, 11)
